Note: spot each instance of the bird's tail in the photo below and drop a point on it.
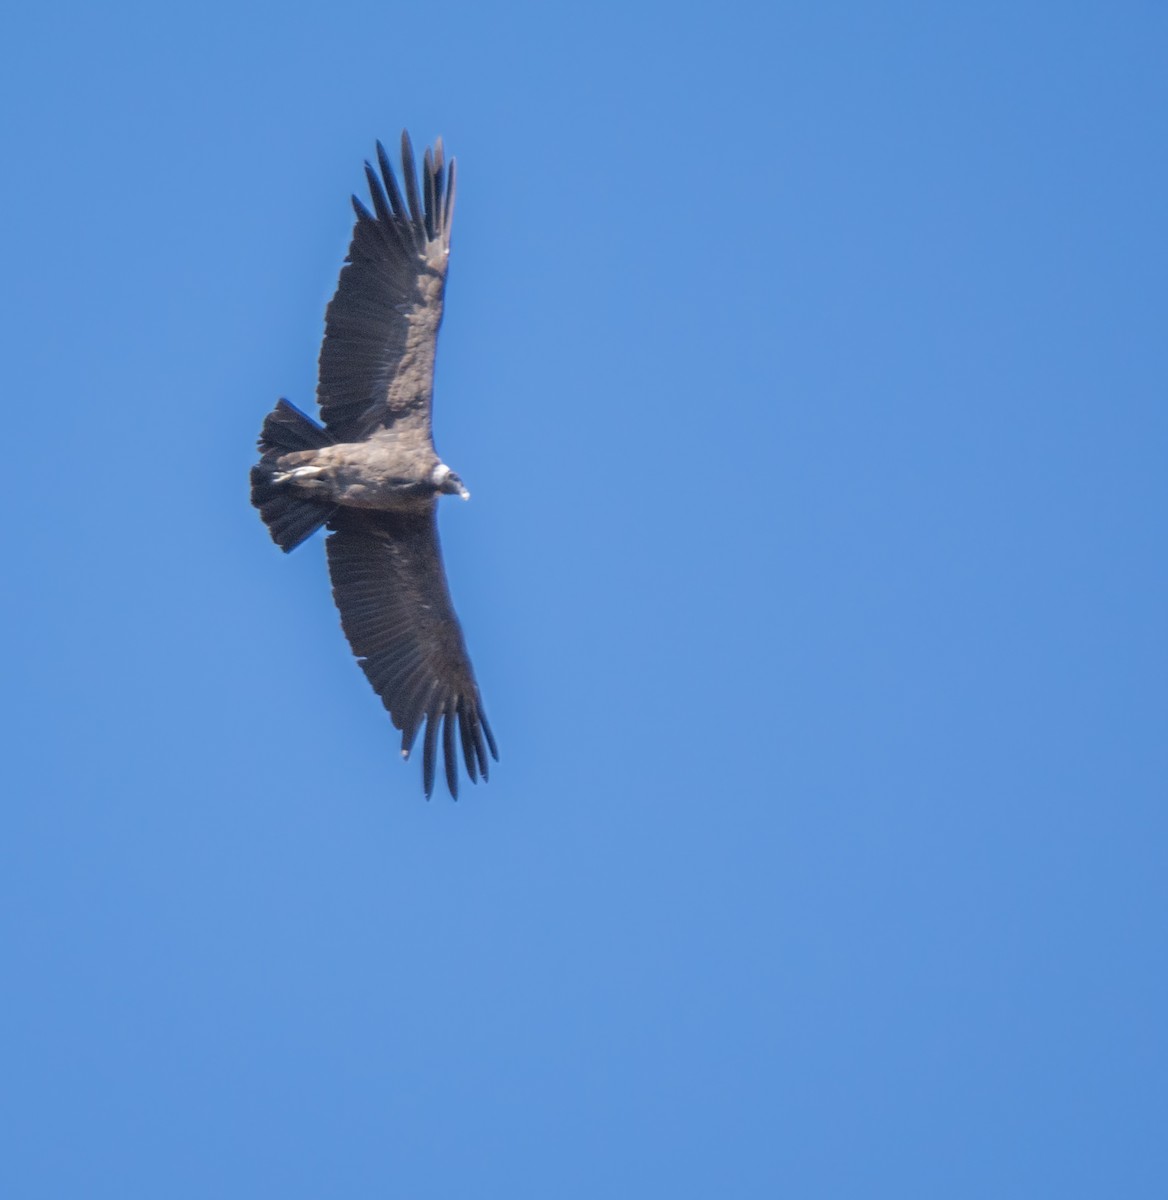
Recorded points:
(289, 515)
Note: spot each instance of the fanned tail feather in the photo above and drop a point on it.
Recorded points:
(290, 516)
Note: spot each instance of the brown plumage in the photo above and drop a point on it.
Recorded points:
(371, 473)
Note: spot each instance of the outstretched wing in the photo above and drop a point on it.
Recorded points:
(380, 329)
(395, 607)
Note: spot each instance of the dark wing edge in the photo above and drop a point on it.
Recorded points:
(376, 361)
(390, 587)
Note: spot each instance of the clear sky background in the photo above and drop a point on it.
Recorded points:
(807, 364)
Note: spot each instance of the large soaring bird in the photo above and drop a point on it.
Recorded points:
(371, 473)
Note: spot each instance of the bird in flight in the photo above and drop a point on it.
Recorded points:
(371, 474)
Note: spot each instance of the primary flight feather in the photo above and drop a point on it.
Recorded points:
(371, 473)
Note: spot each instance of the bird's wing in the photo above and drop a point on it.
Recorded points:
(377, 358)
(389, 584)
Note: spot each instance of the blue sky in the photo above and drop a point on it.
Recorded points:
(807, 366)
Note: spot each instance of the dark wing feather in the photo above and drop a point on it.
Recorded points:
(377, 358)
(390, 586)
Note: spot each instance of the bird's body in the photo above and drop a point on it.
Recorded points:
(372, 475)
(379, 474)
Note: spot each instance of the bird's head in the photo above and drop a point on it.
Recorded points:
(445, 480)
